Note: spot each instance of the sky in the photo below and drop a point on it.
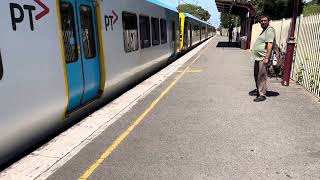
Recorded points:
(208, 5)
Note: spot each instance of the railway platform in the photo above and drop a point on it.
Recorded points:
(193, 120)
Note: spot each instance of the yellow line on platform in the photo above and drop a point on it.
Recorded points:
(124, 135)
(192, 71)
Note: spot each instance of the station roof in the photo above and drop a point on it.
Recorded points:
(235, 6)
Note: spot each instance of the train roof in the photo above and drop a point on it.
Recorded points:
(193, 17)
(164, 5)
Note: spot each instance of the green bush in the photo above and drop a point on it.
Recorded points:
(311, 9)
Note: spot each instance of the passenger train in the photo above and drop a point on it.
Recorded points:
(59, 58)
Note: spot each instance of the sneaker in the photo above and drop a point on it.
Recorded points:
(259, 99)
(253, 93)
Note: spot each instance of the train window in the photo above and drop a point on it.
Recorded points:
(173, 31)
(155, 31)
(69, 32)
(130, 32)
(189, 35)
(197, 30)
(144, 23)
(1, 68)
(87, 32)
(163, 27)
(203, 32)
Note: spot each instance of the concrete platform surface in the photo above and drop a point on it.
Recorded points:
(206, 126)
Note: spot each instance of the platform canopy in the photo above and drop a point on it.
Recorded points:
(242, 8)
(235, 6)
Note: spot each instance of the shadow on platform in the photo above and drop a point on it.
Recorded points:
(272, 94)
(228, 45)
(268, 94)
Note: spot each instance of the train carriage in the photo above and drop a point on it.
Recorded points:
(193, 31)
(59, 58)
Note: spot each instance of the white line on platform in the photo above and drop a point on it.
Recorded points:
(53, 155)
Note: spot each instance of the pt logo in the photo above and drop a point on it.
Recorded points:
(19, 13)
(110, 20)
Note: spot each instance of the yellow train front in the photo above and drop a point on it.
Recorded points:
(193, 31)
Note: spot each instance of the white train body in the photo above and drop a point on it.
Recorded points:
(48, 67)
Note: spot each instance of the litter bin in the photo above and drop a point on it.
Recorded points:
(243, 42)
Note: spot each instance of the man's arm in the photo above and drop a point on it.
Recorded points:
(270, 39)
(269, 46)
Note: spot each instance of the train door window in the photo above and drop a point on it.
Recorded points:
(1, 67)
(130, 32)
(144, 24)
(197, 32)
(189, 34)
(69, 32)
(155, 31)
(88, 41)
(173, 31)
(163, 27)
(203, 32)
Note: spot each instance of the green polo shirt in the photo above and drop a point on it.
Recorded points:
(259, 48)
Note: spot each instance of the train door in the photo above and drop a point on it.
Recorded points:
(1, 68)
(201, 35)
(173, 38)
(79, 30)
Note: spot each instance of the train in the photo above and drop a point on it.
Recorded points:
(59, 58)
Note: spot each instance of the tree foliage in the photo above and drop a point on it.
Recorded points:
(259, 5)
(194, 10)
(227, 20)
(312, 7)
(276, 9)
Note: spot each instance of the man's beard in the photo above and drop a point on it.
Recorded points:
(264, 26)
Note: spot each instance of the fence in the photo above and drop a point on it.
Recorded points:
(306, 67)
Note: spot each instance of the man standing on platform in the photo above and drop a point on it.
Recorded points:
(230, 33)
(261, 53)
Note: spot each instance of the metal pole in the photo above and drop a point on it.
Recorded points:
(250, 24)
(290, 46)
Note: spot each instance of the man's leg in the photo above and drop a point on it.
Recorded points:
(256, 73)
(261, 82)
(262, 78)
(255, 92)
